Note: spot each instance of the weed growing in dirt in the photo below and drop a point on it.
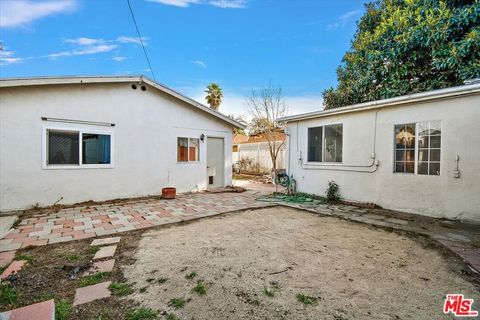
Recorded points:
(269, 292)
(94, 279)
(143, 289)
(150, 280)
(25, 257)
(306, 300)
(171, 316)
(162, 280)
(104, 316)
(73, 258)
(44, 297)
(120, 289)
(177, 303)
(191, 275)
(200, 288)
(7, 294)
(142, 313)
(62, 310)
(94, 249)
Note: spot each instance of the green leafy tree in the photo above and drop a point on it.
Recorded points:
(409, 46)
(241, 120)
(214, 95)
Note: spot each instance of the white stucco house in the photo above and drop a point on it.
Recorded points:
(73, 139)
(418, 153)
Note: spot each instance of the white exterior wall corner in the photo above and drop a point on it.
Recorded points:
(441, 196)
(147, 124)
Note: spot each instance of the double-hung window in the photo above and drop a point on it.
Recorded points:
(77, 148)
(188, 149)
(325, 143)
(418, 148)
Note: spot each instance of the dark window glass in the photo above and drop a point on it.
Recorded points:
(63, 148)
(315, 138)
(95, 148)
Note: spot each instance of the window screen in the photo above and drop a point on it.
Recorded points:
(63, 148)
(182, 149)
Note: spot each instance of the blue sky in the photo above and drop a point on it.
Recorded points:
(239, 44)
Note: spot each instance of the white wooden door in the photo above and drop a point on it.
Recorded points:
(215, 162)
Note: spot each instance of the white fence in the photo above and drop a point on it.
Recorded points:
(255, 158)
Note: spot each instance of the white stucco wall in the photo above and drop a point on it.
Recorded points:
(437, 196)
(147, 124)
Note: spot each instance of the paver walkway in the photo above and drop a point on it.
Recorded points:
(90, 221)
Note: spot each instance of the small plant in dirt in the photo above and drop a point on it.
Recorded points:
(150, 280)
(25, 257)
(177, 303)
(93, 249)
(73, 258)
(142, 313)
(44, 297)
(104, 316)
(143, 289)
(94, 279)
(120, 289)
(7, 294)
(269, 292)
(62, 310)
(162, 280)
(200, 288)
(171, 316)
(191, 275)
(332, 192)
(305, 299)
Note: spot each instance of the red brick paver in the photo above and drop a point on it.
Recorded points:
(107, 219)
(6, 258)
(39, 311)
(13, 268)
(91, 293)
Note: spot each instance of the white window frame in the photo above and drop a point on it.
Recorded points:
(80, 131)
(323, 144)
(416, 150)
(188, 150)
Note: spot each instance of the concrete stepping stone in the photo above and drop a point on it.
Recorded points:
(104, 241)
(6, 223)
(6, 258)
(43, 311)
(92, 293)
(101, 266)
(105, 252)
(13, 268)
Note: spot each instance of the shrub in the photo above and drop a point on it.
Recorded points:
(332, 192)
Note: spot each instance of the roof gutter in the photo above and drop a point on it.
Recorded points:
(391, 102)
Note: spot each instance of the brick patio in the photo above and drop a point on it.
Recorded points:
(105, 219)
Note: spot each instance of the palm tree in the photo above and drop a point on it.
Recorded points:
(214, 95)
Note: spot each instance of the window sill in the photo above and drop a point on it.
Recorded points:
(85, 166)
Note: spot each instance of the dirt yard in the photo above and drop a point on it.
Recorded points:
(282, 263)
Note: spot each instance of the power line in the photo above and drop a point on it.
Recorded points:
(140, 38)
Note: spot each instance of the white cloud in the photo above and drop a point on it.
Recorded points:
(229, 4)
(200, 63)
(85, 51)
(8, 57)
(15, 13)
(343, 20)
(177, 3)
(85, 41)
(225, 4)
(119, 58)
(136, 40)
